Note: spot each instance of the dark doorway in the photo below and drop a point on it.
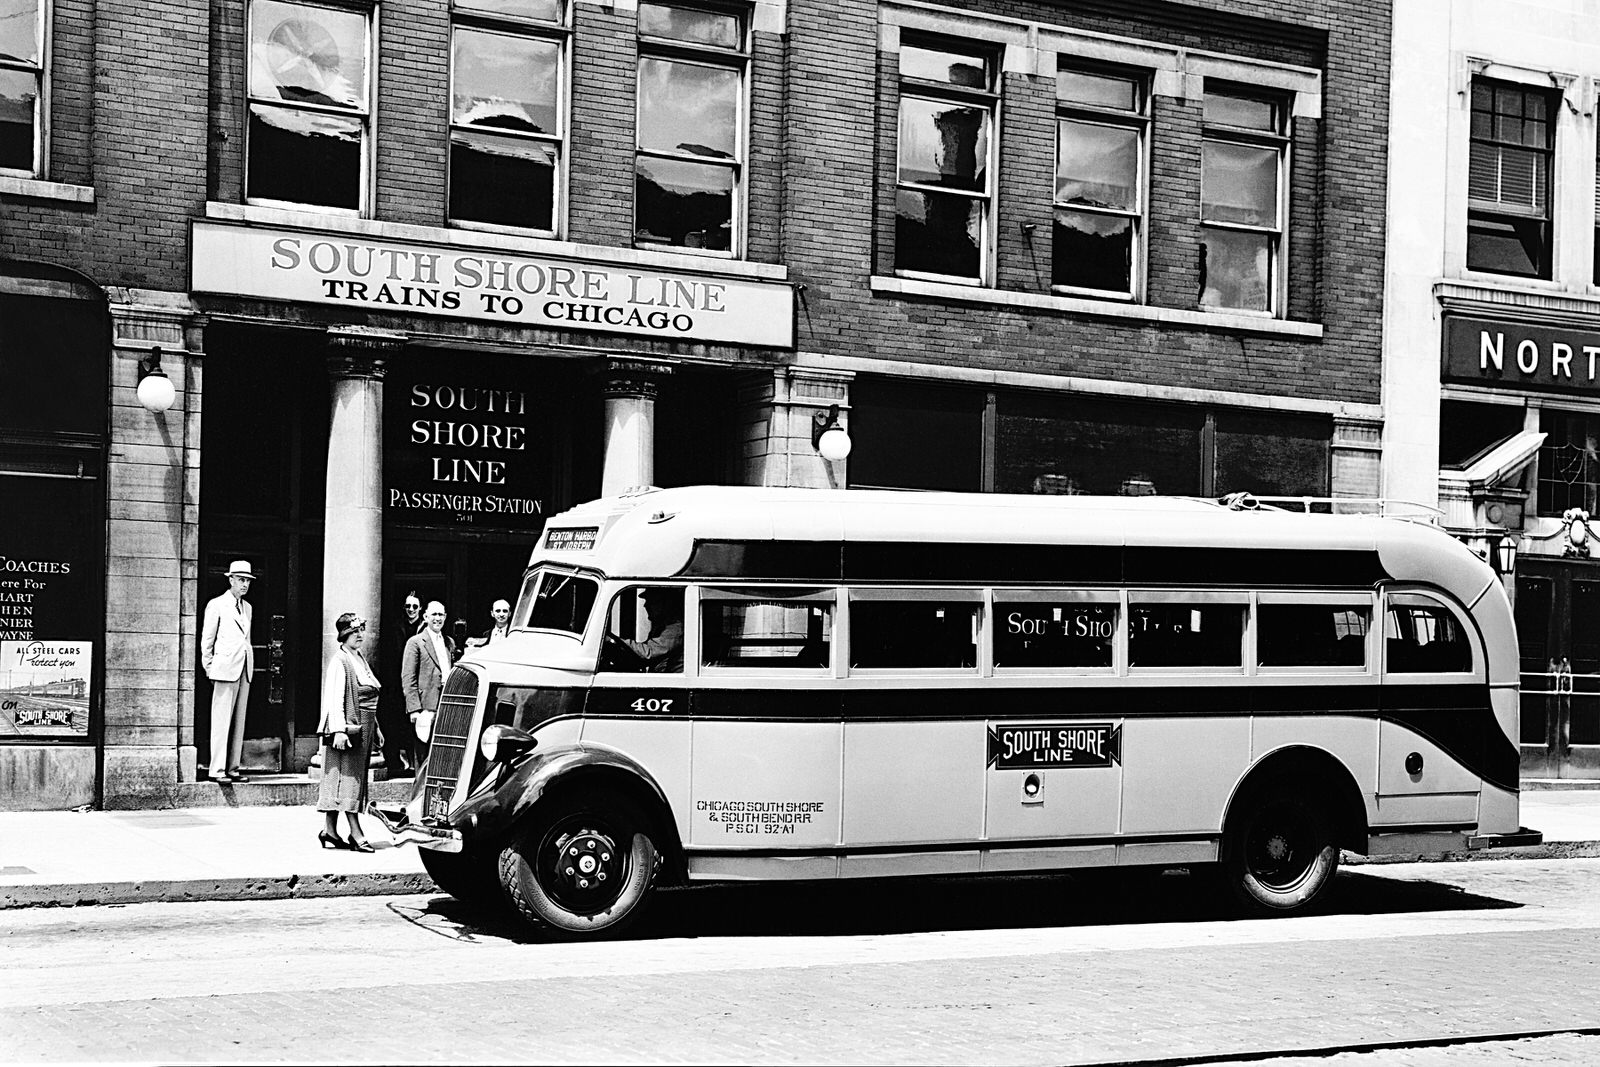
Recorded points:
(1558, 632)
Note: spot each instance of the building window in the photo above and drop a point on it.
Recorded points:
(944, 191)
(1099, 197)
(507, 122)
(1569, 462)
(1241, 199)
(309, 109)
(689, 168)
(1508, 179)
(22, 25)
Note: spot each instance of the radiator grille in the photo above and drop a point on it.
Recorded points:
(448, 745)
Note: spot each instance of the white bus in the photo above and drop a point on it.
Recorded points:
(743, 683)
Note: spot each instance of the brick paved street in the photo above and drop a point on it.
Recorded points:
(1039, 971)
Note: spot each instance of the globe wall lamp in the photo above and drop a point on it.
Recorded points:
(156, 391)
(828, 437)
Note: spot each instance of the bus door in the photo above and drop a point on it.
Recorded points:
(767, 734)
(1434, 728)
(1053, 748)
(915, 720)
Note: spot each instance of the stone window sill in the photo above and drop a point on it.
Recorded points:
(1242, 323)
(41, 190)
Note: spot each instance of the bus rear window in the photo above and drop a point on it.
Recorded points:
(552, 600)
(1425, 639)
(1312, 635)
(1186, 635)
(914, 633)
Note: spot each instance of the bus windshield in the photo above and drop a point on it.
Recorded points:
(555, 600)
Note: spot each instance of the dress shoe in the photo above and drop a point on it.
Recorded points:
(220, 779)
(360, 844)
(237, 775)
(331, 840)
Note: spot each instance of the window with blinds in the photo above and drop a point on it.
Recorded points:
(1508, 179)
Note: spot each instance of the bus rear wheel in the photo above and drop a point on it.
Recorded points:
(1279, 856)
(584, 868)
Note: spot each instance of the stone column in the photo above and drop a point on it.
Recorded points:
(778, 413)
(152, 554)
(630, 399)
(352, 555)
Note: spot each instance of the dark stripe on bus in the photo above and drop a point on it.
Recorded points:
(1029, 564)
(1458, 718)
(1001, 845)
(1018, 844)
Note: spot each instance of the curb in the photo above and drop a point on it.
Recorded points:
(275, 887)
(1554, 850)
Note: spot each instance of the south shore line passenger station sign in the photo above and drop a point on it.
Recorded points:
(489, 285)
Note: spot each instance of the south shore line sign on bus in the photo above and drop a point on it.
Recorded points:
(486, 284)
(1043, 745)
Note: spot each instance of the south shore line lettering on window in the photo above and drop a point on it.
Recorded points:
(511, 289)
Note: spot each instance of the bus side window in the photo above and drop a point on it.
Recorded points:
(913, 633)
(1312, 635)
(766, 633)
(1186, 635)
(1425, 639)
(1038, 633)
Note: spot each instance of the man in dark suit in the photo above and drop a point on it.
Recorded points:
(399, 739)
(423, 665)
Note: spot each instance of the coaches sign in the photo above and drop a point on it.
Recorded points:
(1490, 352)
(489, 285)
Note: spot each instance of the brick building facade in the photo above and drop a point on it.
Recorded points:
(421, 273)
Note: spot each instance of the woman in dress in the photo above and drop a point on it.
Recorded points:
(349, 731)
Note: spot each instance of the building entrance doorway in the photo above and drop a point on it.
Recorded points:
(1558, 631)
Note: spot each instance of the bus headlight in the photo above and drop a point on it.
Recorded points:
(501, 744)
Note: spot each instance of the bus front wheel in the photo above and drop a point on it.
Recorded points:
(584, 868)
(1279, 855)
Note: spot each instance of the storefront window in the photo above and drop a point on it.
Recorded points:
(916, 436)
(1272, 455)
(52, 556)
(1050, 444)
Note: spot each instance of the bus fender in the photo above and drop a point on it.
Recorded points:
(495, 815)
(1304, 764)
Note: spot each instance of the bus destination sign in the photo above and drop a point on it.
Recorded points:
(1042, 745)
(573, 539)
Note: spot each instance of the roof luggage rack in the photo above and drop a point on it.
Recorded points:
(1382, 507)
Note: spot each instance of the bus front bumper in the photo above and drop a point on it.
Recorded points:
(406, 832)
(1521, 839)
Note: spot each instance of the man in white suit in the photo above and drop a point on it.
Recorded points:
(423, 665)
(229, 661)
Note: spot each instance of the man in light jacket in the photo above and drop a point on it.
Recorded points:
(427, 657)
(229, 661)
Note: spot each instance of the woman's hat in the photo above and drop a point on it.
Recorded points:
(348, 624)
(241, 568)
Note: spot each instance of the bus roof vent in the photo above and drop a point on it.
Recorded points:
(1240, 502)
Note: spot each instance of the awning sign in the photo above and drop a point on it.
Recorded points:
(1033, 746)
(471, 282)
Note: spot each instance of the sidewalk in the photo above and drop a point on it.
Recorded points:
(65, 858)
